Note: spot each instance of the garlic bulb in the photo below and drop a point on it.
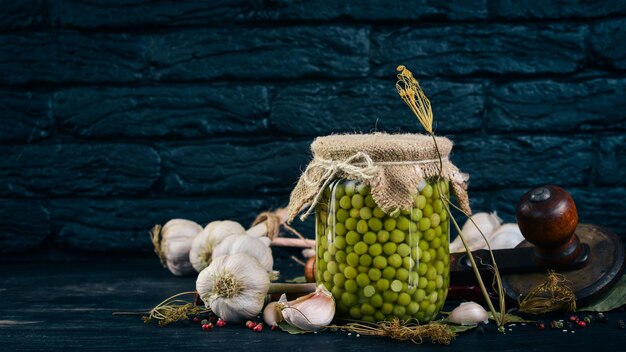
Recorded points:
(172, 244)
(486, 222)
(468, 313)
(271, 314)
(214, 233)
(252, 246)
(233, 286)
(505, 237)
(311, 312)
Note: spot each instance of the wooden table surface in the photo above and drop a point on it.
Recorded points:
(69, 305)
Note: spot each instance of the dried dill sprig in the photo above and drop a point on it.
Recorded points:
(411, 92)
(171, 310)
(552, 295)
(402, 330)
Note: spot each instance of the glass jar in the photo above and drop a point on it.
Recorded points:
(378, 265)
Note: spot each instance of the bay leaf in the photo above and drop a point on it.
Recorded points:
(615, 298)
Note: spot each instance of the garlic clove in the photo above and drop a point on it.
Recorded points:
(234, 287)
(311, 312)
(203, 245)
(468, 313)
(486, 222)
(172, 243)
(252, 246)
(272, 315)
(507, 236)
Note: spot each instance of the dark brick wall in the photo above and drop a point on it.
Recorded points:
(115, 115)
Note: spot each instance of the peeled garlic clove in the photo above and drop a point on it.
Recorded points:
(172, 243)
(234, 287)
(469, 313)
(506, 236)
(271, 314)
(486, 222)
(311, 312)
(203, 245)
(252, 246)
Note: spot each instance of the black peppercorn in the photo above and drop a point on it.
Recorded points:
(621, 324)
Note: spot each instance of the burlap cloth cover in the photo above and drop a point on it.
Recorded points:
(393, 165)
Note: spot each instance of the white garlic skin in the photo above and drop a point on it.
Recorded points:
(253, 246)
(506, 236)
(245, 272)
(177, 236)
(311, 312)
(468, 313)
(203, 245)
(486, 222)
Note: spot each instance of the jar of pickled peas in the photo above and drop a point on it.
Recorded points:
(382, 223)
(379, 265)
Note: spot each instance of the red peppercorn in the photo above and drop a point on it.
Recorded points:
(574, 319)
(258, 327)
(207, 327)
(541, 325)
(274, 327)
(195, 320)
(221, 323)
(250, 324)
(581, 324)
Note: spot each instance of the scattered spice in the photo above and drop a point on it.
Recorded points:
(540, 325)
(221, 323)
(621, 324)
(581, 324)
(401, 330)
(258, 327)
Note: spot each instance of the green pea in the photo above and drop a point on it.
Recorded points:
(355, 313)
(438, 231)
(345, 202)
(396, 286)
(355, 213)
(382, 285)
(375, 250)
(389, 248)
(362, 280)
(374, 274)
(419, 295)
(402, 223)
(422, 269)
(383, 236)
(360, 248)
(362, 269)
(367, 309)
(390, 224)
(357, 201)
(350, 188)
(421, 201)
(340, 242)
(435, 243)
(352, 237)
(408, 263)
(327, 276)
(379, 316)
(423, 245)
(375, 224)
(379, 213)
(428, 211)
(433, 297)
(399, 311)
(439, 282)
(369, 201)
(328, 257)
(351, 286)
(389, 273)
(339, 190)
(376, 300)
(403, 249)
(426, 257)
(435, 219)
(443, 215)
(340, 256)
(397, 236)
(380, 262)
(404, 299)
(430, 310)
(361, 226)
(369, 237)
(441, 253)
(338, 293)
(350, 224)
(390, 296)
(349, 249)
(342, 215)
(414, 237)
(332, 267)
(424, 306)
(402, 274)
(365, 260)
(362, 189)
(352, 259)
(350, 272)
(366, 213)
(395, 260)
(416, 214)
(429, 235)
(342, 267)
(422, 282)
(438, 206)
(423, 225)
(431, 286)
(413, 308)
(431, 274)
(427, 191)
(387, 308)
(440, 267)
(340, 229)
(339, 280)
